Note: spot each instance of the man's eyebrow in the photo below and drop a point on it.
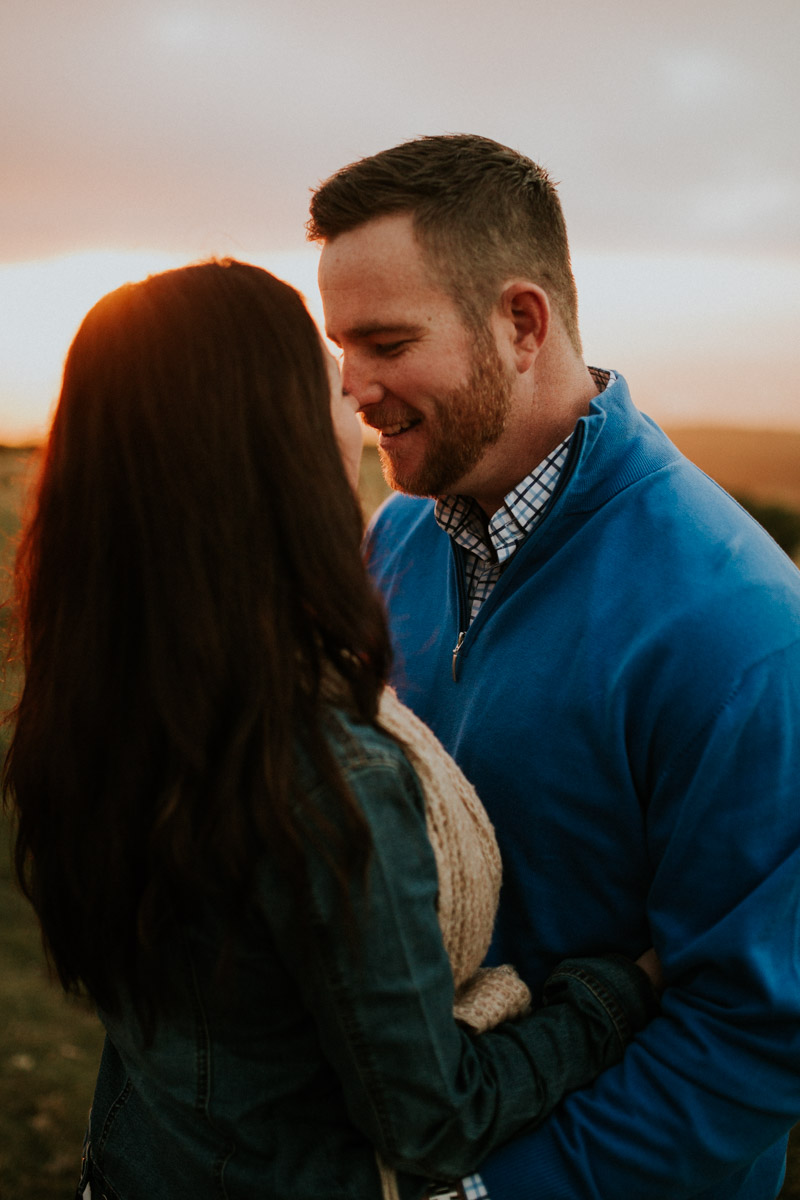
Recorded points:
(370, 328)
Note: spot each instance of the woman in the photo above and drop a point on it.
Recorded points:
(223, 847)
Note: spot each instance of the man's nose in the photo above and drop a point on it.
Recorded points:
(359, 379)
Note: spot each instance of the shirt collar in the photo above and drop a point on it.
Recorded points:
(496, 540)
(523, 507)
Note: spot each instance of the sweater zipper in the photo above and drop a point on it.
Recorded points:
(566, 474)
(456, 649)
(462, 608)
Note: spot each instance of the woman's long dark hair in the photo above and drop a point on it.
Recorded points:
(188, 585)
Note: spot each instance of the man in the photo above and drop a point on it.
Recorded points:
(606, 642)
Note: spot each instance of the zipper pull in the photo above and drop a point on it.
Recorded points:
(456, 649)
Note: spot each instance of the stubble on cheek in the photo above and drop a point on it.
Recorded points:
(458, 429)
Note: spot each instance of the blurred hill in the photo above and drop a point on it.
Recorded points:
(761, 463)
(760, 467)
(758, 463)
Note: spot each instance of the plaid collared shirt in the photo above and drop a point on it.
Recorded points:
(470, 1188)
(490, 544)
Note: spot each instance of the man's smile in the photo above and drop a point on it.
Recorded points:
(389, 423)
(390, 431)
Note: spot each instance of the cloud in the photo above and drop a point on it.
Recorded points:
(185, 128)
(177, 124)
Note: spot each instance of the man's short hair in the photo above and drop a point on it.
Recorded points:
(481, 212)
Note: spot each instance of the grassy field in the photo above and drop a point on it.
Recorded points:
(49, 1051)
(49, 1047)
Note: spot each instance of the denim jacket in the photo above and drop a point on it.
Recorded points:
(337, 1035)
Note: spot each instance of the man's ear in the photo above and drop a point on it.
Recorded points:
(525, 309)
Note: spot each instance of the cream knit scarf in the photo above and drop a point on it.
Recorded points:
(468, 863)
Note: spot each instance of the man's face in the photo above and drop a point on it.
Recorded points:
(346, 424)
(437, 393)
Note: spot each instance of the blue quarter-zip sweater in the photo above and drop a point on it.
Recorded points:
(627, 704)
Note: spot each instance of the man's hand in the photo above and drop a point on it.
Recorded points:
(650, 963)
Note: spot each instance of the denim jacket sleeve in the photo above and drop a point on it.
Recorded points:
(431, 1097)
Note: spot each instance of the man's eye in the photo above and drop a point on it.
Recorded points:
(386, 349)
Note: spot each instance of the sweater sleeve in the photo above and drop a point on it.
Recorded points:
(712, 1084)
(432, 1098)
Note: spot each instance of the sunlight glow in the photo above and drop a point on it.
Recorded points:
(44, 302)
(701, 338)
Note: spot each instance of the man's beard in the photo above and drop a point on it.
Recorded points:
(461, 426)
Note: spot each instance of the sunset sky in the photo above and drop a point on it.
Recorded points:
(137, 136)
